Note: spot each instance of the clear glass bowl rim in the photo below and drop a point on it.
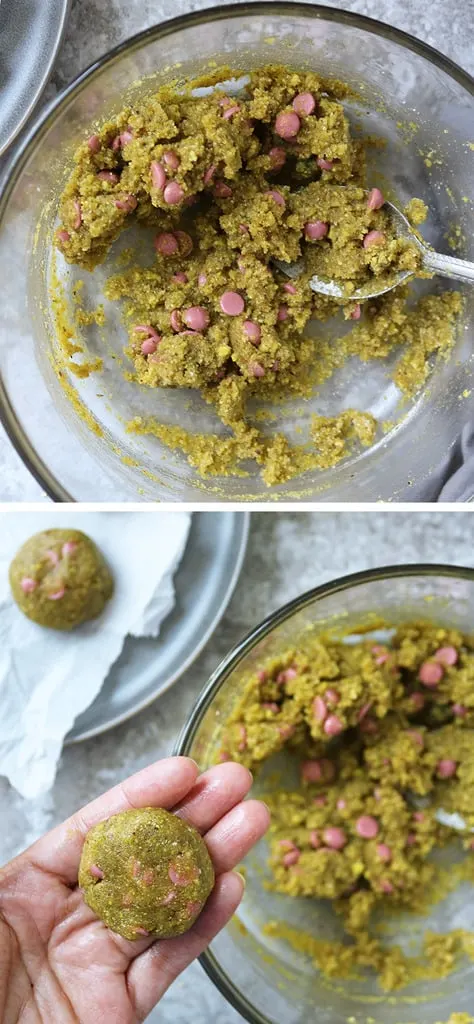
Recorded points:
(8, 178)
(184, 742)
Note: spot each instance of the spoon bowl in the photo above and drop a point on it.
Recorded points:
(432, 263)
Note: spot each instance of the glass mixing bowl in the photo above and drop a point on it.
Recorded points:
(263, 978)
(419, 102)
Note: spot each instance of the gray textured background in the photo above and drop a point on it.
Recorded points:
(288, 553)
(97, 25)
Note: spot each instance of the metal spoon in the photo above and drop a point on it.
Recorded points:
(451, 819)
(433, 262)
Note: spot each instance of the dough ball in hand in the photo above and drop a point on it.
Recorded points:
(146, 872)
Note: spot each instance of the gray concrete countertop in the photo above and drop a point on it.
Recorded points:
(97, 25)
(288, 553)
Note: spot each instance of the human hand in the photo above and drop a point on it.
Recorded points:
(58, 962)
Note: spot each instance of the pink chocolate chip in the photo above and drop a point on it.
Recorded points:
(128, 203)
(63, 236)
(311, 771)
(323, 164)
(287, 124)
(158, 175)
(96, 871)
(316, 229)
(175, 320)
(209, 174)
(222, 190)
(356, 312)
(304, 103)
(28, 584)
(277, 157)
(384, 852)
(169, 898)
(230, 111)
(173, 193)
(287, 675)
(58, 594)
(289, 288)
(292, 857)
(185, 242)
(178, 878)
(277, 197)
(78, 217)
(364, 711)
(446, 768)
(375, 200)
(341, 804)
(373, 238)
(333, 725)
(244, 229)
(286, 844)
(180, 277)
(93, 143)
(171, 159)
(459, 710)
(256, 369)
(286, 730)
(148, 347)
(193, 908)
(314, 839)
(243, 738)
(367, 827)
(253, 331)
(431, 673)
(386, 886)
(270, 705)
(319, 709)
(335, 838)
(332, 696)
(53, 556)
(109, 176)
(166, 243)
(196, 317)
(446, 655)
(202, 280)
(282, 313)
(232, 303)
(418, 816)
(320, 801)
(68, 548)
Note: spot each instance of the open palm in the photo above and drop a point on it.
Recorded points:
(58, 962)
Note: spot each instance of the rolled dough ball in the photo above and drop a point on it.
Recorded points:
(146, 872)
(59, 579)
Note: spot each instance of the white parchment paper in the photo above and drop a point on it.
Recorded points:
(47, 677)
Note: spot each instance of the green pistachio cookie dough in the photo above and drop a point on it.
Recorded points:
(230, 184)
(383, 734)
(59, 579)
(146, 872)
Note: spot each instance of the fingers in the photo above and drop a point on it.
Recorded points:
(214, 793)
(153, 972)
(162, 784)
(233, 836)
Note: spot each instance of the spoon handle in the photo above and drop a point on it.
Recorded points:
(448, 266)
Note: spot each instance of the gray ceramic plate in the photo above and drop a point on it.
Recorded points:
(204, 584)
(30, 35)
